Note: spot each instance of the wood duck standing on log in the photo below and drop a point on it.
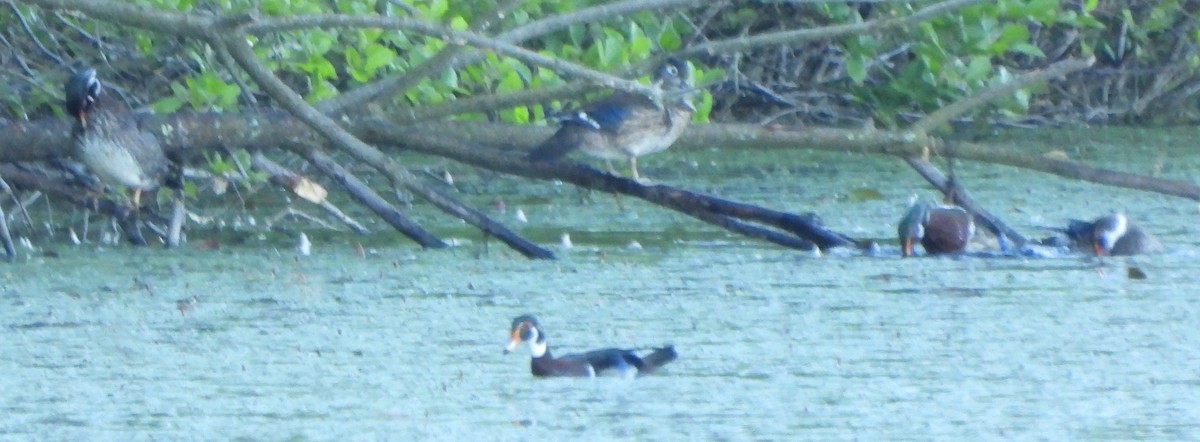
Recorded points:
(108, 140)
(625, 125)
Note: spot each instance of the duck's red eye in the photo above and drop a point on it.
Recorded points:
(525, 330)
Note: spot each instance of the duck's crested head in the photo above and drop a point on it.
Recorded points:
(525, 328)
(83, 89)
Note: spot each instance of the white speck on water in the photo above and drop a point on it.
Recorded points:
(305, 247)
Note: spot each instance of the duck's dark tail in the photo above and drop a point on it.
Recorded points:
(563, 142)
(657, 358)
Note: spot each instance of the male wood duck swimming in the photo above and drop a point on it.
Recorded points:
(626, 125)
(108, 140)
(939, 228)
(1112, 234)
(525, 328)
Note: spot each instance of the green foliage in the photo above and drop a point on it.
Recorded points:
(204, 91)
(225, 166)
(950, 56)
(914, 69)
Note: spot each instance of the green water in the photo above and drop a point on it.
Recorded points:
(253, 341)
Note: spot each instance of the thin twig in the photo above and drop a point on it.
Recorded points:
(33, 36)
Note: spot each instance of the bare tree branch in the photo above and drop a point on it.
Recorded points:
(294, 103)
(801, 35)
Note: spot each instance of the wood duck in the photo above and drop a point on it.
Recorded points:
(1112, 234)
(626, 125)
(939, 228)
(108, 140)
(627, 363)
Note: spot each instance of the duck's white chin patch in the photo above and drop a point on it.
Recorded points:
(538, 349)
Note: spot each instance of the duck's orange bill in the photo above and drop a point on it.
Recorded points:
(1099, 250)
(907, 250)
(516, 340)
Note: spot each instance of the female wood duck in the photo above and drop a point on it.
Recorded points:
(1113, 235)
(627, 363)
(939, 228)
(626, 125)
(108, 140)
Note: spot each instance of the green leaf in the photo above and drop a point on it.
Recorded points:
(612, 52)
(1012, 34)
(639, 44)
(520, 115)
(1028, 49)
(378, 56)
(670, 40)
(319, 67)
(1022, 96)
(510, 82)
(703, 106)
(856, 68)
(437, 8)
(167, 105)
(979, 68)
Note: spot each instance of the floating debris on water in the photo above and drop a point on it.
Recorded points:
(305, 246)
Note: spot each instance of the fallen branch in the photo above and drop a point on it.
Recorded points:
(10, 252)
(704, 207)
(293, 102)
(363, 194)
(126, 218)
(293, 182)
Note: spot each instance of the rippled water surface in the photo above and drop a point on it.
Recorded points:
(253, 341)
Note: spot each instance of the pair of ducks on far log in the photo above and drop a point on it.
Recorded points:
(945, 228)
(623, 125)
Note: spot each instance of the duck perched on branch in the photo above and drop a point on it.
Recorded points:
(108, 141)
(624, 125)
